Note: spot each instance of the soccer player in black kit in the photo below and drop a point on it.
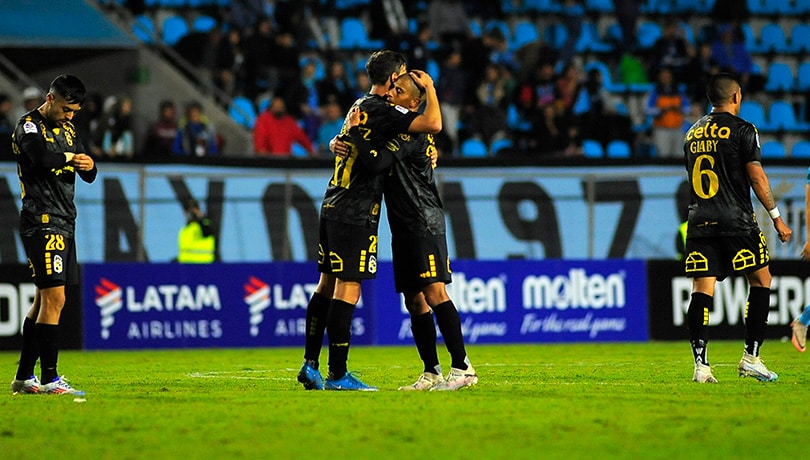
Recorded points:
(49, 156)
(419, 243)
(723, 163)
(348, 224)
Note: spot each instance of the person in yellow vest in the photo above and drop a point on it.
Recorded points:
(196, 241)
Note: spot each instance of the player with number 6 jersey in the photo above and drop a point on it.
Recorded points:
(723, 164)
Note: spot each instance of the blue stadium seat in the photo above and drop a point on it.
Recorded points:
(299, 151)
(647, 34)
(556, 35)
(773, 149)
(173, 29)
(203, 23)
(543, 6)
(525, 33)
(592, 149)
(618, 149)
(772, 39)
(473, 148)
(801, 149)
(770, 7)
(590, 40)
(243, 112)
(803, 76)
(780, 77)
(599, 6)
(750, 39)
(800, 37)
(801, 6)
(753, 112)
(782, 117)
(353, 35)
(503, 144)
(515, 121)
(144, 28)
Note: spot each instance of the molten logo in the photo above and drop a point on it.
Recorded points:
(109, 300)
(257, 296)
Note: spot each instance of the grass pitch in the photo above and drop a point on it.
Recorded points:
(589, 401)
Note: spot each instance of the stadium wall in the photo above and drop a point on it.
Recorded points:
(133, 212)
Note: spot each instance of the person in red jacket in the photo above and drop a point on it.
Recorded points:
(275, 131)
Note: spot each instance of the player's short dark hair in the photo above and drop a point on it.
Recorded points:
(381, 64)
(721, 87)
(70, 88)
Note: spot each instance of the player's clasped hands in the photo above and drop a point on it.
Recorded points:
(82, 162)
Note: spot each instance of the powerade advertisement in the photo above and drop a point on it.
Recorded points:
(247, 305)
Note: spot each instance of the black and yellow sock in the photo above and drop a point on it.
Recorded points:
(48, 341)
(756, 318)
(424, 336)
(317, 313)
(339, 330)
(30, 350)
(450, 326)
(698, 322)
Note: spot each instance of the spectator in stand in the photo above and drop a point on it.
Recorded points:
(535, 101)
(449, 22)
(6, 126)
(485, 117)
(700, 69)
(672, 50)
(732, 56)
(566, 88)
(627, 13)
(90, 123)
(275, 131)
(118, 141)
(668, 106)
(229, 61)
(261, 70)
(196, 136)
(452, 89)
(573, 14)
(332, 115)
(301, 98)
(500, 53)
(161, 135)
(362, 84)
(336, 85)
(597, 114)
(32, 97)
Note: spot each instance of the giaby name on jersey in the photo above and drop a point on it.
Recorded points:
(704, 138)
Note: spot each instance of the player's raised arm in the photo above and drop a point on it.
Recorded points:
(430, 121)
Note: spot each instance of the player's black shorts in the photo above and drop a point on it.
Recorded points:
(347, 251)
(723, 256)
(52, 258)
(420, 262)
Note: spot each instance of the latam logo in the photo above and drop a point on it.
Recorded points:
(109, 300)
(257, 296)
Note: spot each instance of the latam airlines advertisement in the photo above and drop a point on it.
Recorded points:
(217, 305)
(243, 305)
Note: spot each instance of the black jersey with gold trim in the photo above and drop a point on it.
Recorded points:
(354, 193)
(411, 197)
(717, 148)
(47, 182)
